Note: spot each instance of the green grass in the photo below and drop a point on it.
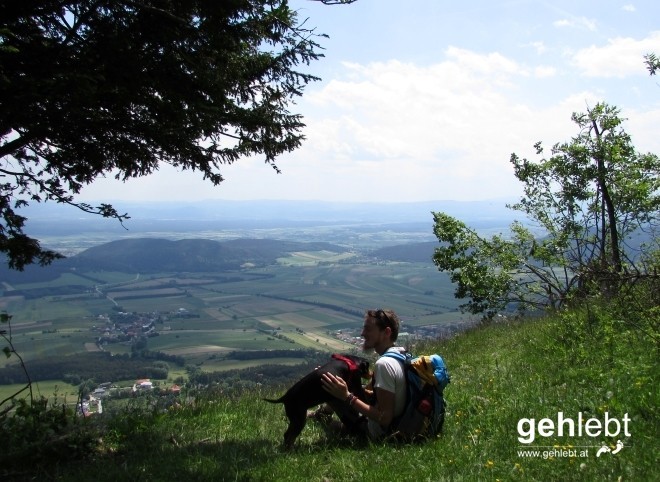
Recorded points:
(500, 374)
(56, 391)
(65, 279)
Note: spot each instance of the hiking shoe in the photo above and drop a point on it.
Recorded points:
(322, 414)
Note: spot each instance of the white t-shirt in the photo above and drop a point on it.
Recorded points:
(389, 376)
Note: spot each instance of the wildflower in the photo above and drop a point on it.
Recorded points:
(489, 464)
(482, 399)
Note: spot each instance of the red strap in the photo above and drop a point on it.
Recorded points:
(352, 366)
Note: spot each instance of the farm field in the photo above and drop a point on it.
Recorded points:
(56, 391)
(204, 318)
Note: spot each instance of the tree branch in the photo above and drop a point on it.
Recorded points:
(334, 2)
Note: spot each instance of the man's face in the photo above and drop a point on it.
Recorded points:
(373, 336)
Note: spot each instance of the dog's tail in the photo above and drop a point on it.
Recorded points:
(279, 400)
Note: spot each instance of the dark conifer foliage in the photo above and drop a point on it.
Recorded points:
(95, 88)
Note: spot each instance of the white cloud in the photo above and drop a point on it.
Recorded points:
(577, 22)
(629, 8)
(395, 110)
(643, 127)
(539, 47)
(621, 57)
(543, 71)
(492, 63)
(441, 131)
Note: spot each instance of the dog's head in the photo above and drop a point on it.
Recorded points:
(362, 364)
(364, 368)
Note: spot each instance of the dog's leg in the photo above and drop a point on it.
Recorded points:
(297, 419)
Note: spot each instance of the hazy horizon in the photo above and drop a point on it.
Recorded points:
(69, 230)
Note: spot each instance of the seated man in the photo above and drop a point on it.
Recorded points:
(380, 331)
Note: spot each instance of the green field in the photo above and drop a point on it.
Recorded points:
(300, 303)
(56, 391)
(313, 258)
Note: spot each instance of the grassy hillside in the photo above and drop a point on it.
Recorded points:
(501, 374)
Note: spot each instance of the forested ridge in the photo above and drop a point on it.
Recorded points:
(152, 255)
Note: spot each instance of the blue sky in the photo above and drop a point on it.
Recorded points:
(426, 100)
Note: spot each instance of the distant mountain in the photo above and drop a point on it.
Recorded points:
(148, 255)
(410, 253)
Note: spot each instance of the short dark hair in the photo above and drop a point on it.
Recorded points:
(385, 319)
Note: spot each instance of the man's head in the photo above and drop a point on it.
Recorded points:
(380, 331)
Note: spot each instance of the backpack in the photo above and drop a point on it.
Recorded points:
(424, 412)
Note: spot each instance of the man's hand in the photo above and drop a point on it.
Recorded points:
(335, 386)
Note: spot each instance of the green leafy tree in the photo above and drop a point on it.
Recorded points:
(9, 350)
(652, 63)
(92, 88)
(594, 198)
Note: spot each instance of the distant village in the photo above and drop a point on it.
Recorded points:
(434, 332)
(126, 327)
(123, 327)
(93, 402)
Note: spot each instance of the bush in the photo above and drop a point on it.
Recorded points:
(39, 435)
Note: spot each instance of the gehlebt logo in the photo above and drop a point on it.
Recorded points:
(531, 430)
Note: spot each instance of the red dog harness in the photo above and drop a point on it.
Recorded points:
(352, 366)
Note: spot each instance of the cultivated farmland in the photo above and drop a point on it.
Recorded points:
(310, 300)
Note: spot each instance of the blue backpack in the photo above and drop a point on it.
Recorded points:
(424, 412)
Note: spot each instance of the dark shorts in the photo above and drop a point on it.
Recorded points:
(353, 423)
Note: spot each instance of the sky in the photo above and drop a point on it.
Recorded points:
(424, 100)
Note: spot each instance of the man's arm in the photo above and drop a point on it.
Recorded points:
(382, 413)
